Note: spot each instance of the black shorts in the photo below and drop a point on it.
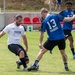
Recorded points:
(67, 33)
(15, 48)
(49, 45)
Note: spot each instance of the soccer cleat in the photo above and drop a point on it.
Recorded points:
(33, 67)
(18, 65)
(66, 68)
(25, 69)
(74, 56)
(50, 51)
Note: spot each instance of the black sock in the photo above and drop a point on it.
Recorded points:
(20, 63)
(23, 62)
(72, 49)
(36, 62)
(65, 65)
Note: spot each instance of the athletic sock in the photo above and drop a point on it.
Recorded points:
(23, 62)
(20, 63)
(72, 49)
(65, 65)
(36, 62)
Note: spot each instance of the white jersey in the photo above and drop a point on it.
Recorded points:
(14, 33)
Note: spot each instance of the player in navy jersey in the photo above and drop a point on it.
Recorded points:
(51, 24)
(67, 27)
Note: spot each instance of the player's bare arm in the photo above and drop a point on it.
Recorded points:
(41, 39)
(2, 33)
(25, 42)
(67, 19)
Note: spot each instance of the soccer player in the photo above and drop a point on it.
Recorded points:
(67, 26)
(58, 5)
(15, 31)
(56, 37)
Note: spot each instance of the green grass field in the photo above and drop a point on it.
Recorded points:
(51, 64)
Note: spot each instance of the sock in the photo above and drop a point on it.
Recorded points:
(20, 63)
(65, 64)
(36, 62)
(72, 49)
(23, 62)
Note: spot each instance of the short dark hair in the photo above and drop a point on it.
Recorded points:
(68, 2)
(18, 16)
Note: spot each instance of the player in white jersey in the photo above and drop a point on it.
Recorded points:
(15, 31)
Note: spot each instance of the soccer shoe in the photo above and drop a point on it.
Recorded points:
(18, 65)
(33, 67)
(74, 56)
(25, 69)
(66, 68)
(50, 51)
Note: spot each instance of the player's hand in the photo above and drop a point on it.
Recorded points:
(26, 49)
(40, 46)
(74, 16)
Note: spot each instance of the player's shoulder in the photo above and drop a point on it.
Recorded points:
(10, 25)
(54, 15)
(21, 26)
(63, 11)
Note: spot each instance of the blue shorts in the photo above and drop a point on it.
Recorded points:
(59, 3)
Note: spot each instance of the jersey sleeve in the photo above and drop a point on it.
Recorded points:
(60, 18)
(43, 26)
(61, 13)
(6, 29)
(22, 33)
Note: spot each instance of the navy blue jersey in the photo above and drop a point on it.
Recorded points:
(51, 24)
(67, 13)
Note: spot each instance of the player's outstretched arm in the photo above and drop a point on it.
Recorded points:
(25, 42)
(41, 39)
(68, 19)
(2, 33)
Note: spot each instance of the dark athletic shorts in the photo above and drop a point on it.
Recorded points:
(15, 48)
(67, 33)
(49, 45)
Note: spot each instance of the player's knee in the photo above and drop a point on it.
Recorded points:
(71, 40)
(27, 62)
(21, 53)
(42, 51)
(64, 55)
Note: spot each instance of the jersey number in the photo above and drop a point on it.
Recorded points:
(53, 22)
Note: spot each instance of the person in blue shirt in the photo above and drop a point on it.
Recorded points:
(51, 25)
(67, 26)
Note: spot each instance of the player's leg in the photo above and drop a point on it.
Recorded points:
(22, 59)
(47, 46)
(59, 7)
(64, 58)
(19, 63)
(35, 65)
(18, 51)
(26, 59)
(70, 38)
(61, 45)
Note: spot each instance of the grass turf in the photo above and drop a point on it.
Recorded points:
(50, 64)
